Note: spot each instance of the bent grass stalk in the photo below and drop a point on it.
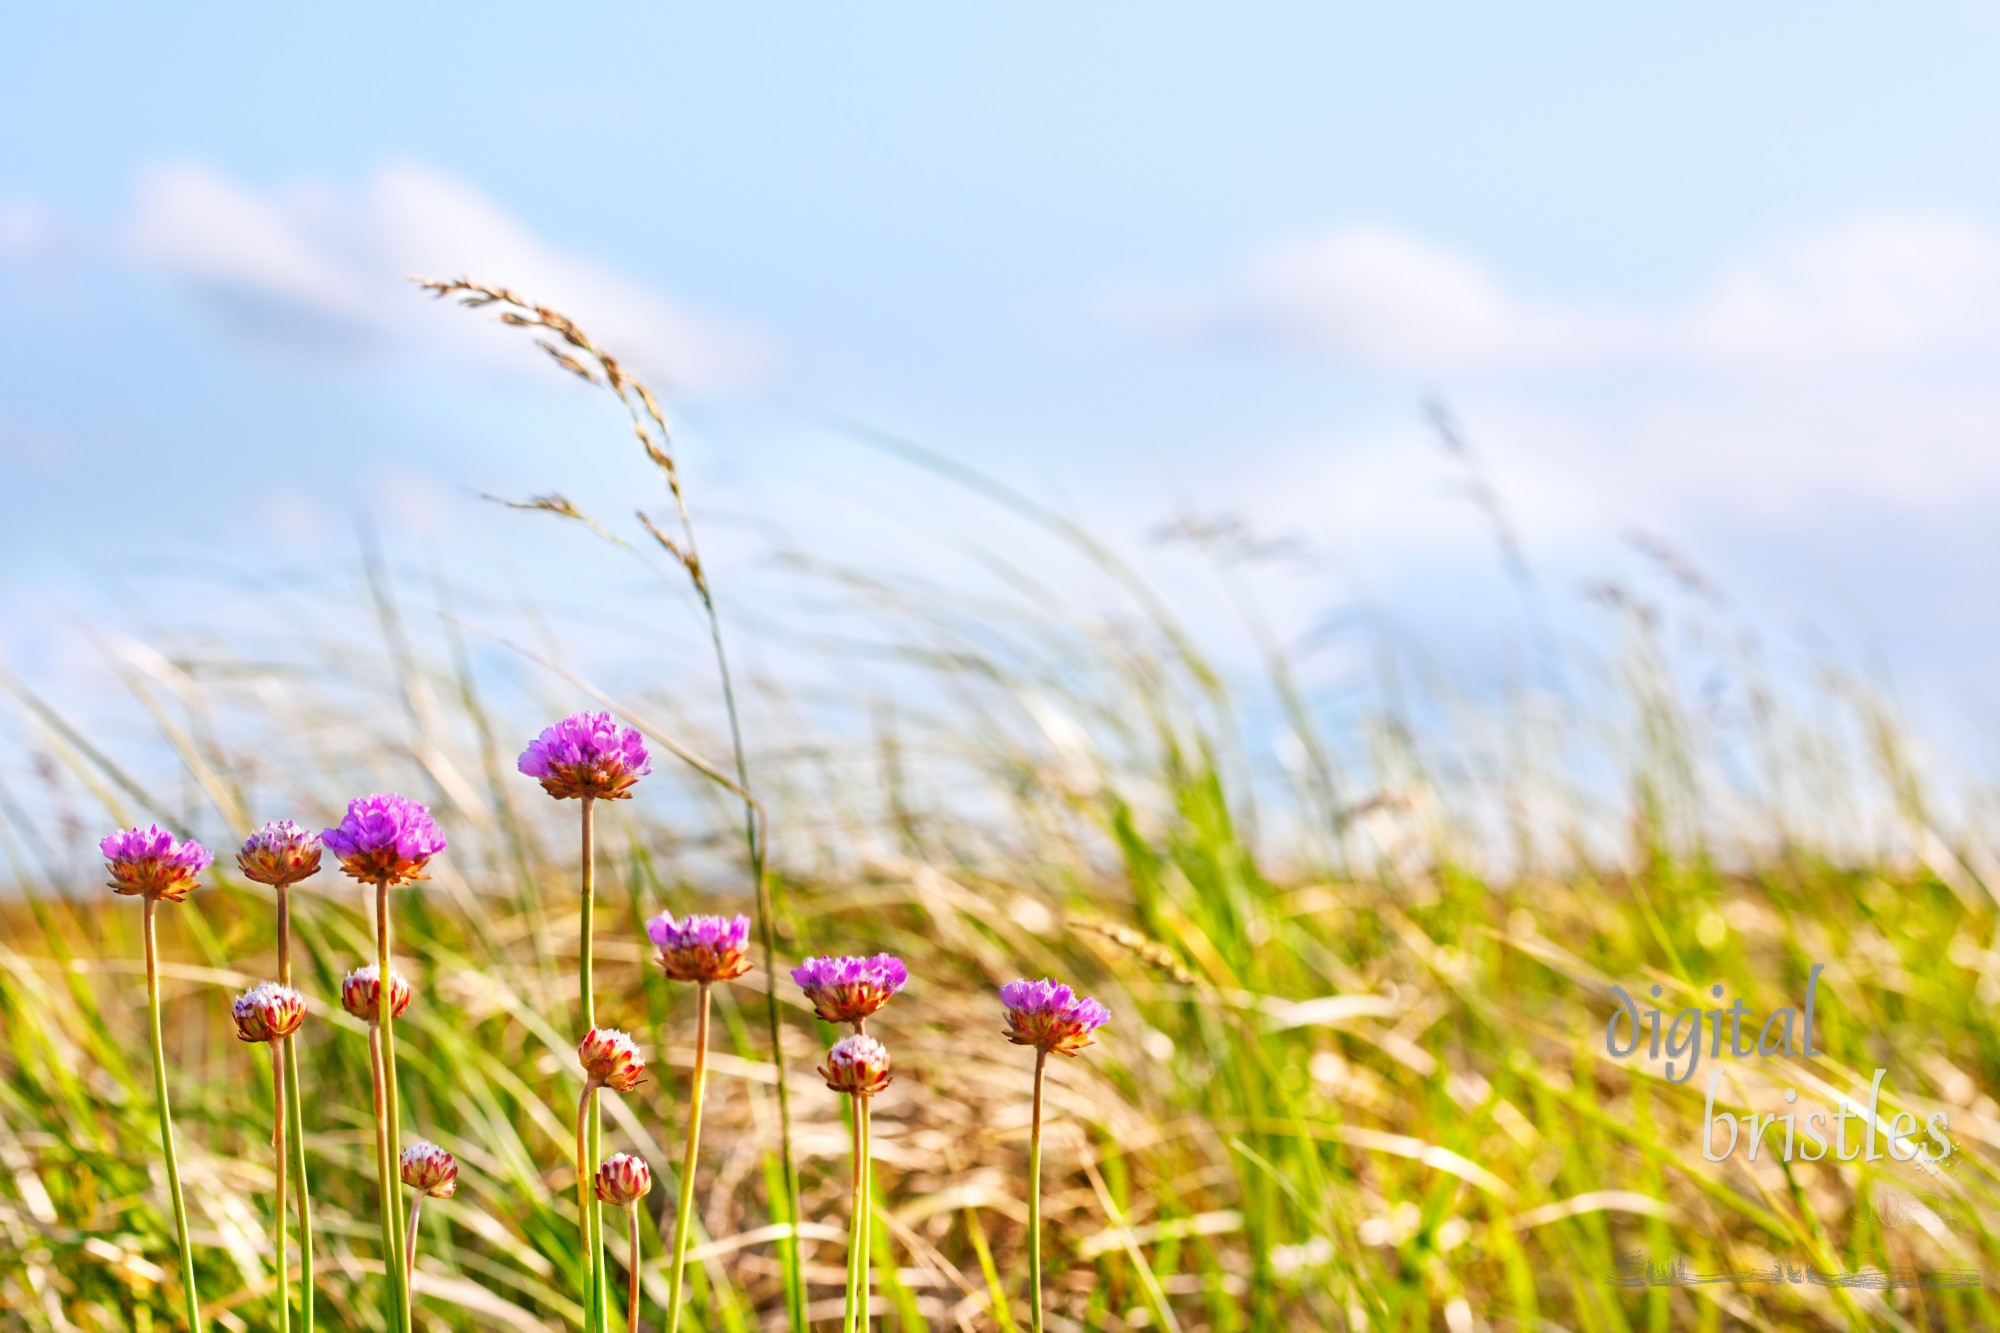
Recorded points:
(189, 1293)
(684, 1209)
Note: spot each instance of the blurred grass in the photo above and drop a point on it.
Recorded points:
(1355, 1078)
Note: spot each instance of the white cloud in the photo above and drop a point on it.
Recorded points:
(1885, 290)
(323, 267)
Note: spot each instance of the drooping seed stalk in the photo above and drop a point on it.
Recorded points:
(632, 1269)
(1035, 1199)
(851, 1307)
(294, 1116)
(596, 1288)
(389, 1116)
(410, 1244)
(586, 1198)
(278, 1146)
(193, 1299)
(684, 1210)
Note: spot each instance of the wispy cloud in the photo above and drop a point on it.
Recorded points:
(320, 267)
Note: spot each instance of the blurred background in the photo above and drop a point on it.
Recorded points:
(1341, 529)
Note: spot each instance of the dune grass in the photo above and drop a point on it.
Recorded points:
(1355, 1076)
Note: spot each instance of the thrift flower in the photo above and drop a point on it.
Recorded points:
(624, 1179)
(702, 948)
(858, 1065)
(268, 1012)
(361, 992)
(279, 853)
(1050, 1016)
(385, 837)
(587, 755)
(431, 1169)
(611, 1059)
(847, 990)
(149, 863)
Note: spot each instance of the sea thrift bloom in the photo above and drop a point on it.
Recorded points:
(702, 948)
(148, 863)
(847, 990)
(361, 992)
(611, 1059)
(587, 754)
(1050, 1016)
(280, 853)
(268, 1012)
(385, 837)
(623, 1179)
(431, 1169)
(858, 1065)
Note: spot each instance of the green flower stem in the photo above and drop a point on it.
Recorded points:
(410, 1243)
(632, 1268)
(684, 1211)
(851, 1306)
(294, 1117)
(864, 1285)
(586, 1199)
(1035, 1199)
(391, 1118)
(278, 1150)
(382, 1173)
(595, 1284)
(167, 1119)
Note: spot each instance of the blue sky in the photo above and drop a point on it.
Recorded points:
(1725, 274)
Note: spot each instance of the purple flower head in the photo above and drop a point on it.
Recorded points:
(1050, 1016)
(587, 754)
(858, 1065)
(280, 853)
(847, 990)
(385, 837)
(148, 863)
(702, 948)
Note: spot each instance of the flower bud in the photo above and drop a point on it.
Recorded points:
(623, 1179)
(431, 1169)
(858, 1065)
(279, 853)
(361, 992)
(268, 1012)
(611, 1059)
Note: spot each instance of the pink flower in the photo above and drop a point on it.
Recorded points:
(847, 990)
(268, 1012)
(149, 863)
(1050, 1016)
(858, 1065)
(702, 948)
(586, 754)
(279, 853)
(611, 1059)
(430, 1168)
(623, 1179)
(361, 992)
(385, 837)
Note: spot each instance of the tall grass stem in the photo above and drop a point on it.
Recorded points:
(188, 1291)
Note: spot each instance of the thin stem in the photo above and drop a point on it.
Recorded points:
(167, 1119)
(586, 1196)
(684, 1212)
(278, 1150)
(300, 1189)
(410, 1243)
(852, 1305)
(295, 1117)
(864, 1283)
(596, 1286)
(392, 1148)
(1035, 1199)
(382, 1169)
(632, 1269)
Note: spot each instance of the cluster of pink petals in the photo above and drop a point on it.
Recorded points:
(623, 1179)
(268, 1012)
(702, 948)
(587, 755)
(149, 863)
(611, 1059)
(361, 993)
(385, 837)
(847, 990)
(1050, 1016)
(858, 1065)
(430, 1168)
(279, 853)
